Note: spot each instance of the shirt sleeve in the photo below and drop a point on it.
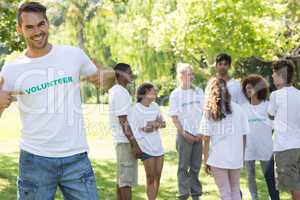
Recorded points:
(245, 130)
(120, 103)
(174, 107)
(136, 124)
(87, 67)
(8, 82)
(241, 99)
(272, 108)
(201, 99)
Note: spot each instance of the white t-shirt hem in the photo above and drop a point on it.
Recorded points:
(56, 155)
(224, 166)
(285, 149)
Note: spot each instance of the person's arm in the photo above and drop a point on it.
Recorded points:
(104, 78)
(174, 113)
(187, 136)
(177, 124)
(244, 144)
(6, 97)
(128, 133)
(94, 73)
(158, 123)
(272, 108)
(206, 140)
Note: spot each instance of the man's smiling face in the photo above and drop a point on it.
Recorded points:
(34, 27)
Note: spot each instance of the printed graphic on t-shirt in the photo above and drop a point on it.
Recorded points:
(46, 85)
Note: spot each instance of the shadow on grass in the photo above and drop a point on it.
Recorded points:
(105, 172)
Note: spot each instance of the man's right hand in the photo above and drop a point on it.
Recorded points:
(6, 96)
(136, 150)
(189, 137)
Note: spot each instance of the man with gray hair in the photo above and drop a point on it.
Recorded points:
(186, 104)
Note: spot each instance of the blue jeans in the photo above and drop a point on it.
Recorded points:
(39, 177)
(268, 171)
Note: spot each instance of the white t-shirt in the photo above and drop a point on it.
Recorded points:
(120, 104)
(149, 143)
(226, 138)
(235, 91)
(259, 144)
(285, 107)
(187, 105)
(50, 110)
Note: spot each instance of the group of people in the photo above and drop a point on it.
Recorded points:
(228, 124)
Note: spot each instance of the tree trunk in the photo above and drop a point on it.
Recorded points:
(80, 36)
(98, 96)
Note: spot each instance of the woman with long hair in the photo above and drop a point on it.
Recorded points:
(224, 126)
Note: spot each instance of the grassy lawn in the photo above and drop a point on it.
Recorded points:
(103, 158)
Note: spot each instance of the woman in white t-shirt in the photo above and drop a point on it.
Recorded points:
(224, 126)
(259, 144)
(145, 121)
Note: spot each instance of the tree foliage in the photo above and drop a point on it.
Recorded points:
(154, 35)
(9, 40)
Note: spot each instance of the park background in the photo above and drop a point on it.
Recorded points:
(152, 36)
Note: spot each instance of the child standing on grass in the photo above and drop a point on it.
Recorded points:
(284, 108)
(259, 144)
(224, 126)
(146, 120)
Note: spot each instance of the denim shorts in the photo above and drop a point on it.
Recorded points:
(40, 176)
(145, 156)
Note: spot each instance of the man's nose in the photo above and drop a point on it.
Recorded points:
(36, 31)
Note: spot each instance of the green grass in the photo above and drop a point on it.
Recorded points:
(103, 158)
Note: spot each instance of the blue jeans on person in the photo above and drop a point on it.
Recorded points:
(40, 176)
(268, 171)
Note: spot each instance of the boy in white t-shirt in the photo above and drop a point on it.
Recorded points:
(223, 63)
(127, 148)
(224, 126)
(284, 109)
(53, 145)
(259, 146)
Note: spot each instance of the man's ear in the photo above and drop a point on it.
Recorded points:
(19, 29)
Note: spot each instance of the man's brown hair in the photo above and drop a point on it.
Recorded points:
(31, 7)
(285, 69)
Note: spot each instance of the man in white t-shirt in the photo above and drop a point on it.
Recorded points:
(186, 104)
(53, 146)
(284, 109)
(223, 63)
(127, 149)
